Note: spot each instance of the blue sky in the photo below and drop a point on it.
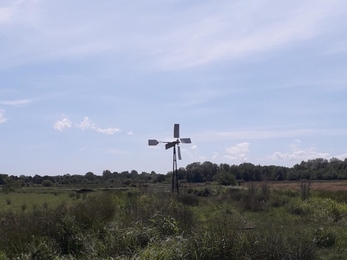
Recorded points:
(85, 84)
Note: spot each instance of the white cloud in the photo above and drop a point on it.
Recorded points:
(193, 152)
(298, 153)
(3, 119)
(238, 152)
(108, 131)
(88, 124)
(20, 102)
(215, 155)
(130, 133)
(341, 156)
(5, 15)
(62, 124)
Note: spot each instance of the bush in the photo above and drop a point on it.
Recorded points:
(225, 178)
(299, 208)
(47, 183)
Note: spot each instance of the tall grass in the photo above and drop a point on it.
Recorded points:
(252, 223)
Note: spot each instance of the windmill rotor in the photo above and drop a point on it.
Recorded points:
(173, 144)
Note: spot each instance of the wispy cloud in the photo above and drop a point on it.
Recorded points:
(3, 119)
(116, 152)
(62, 124)
(258, 134)
(193, 152)
(8, 12)
(238, 152)
(161, 38)
(88, 124)
(222, 34)
(200, 96)
(16, 103)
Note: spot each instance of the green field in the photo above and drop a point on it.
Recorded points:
(203, 222)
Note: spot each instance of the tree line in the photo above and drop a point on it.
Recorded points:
(315, 169)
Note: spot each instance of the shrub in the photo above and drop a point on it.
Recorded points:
(298, 208)
(166, 225)
(225, 178)
(277, 243)
(255, 199)
(24, 206)
(324, 239)
(188, 200)
(47, 183)
(218, 241)
(279, 199)
(41, 248)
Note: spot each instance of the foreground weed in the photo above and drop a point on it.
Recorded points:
(305, 189)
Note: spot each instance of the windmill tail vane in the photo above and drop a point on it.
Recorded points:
(173, 144)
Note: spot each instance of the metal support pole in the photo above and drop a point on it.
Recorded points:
(174, 182)
(173, 171)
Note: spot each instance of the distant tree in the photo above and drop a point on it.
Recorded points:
(181, 173)
(37, 179)
(160, 178)
(90, 176)
(224, 167)
(208, 170)
(134, 174)
(106, 175)
(124, 174)
(3, 178)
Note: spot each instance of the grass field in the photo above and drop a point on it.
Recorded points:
(29, 198)
(282, 220)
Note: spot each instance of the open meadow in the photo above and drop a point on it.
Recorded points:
(275, 220)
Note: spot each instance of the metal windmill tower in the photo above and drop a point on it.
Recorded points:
(173, 144)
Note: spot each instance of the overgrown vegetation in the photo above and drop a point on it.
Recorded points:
(204, 222)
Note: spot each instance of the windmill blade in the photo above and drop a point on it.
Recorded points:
(185, 140)
(179, 152)
(176, 131)
(152, 142)
(170, 145)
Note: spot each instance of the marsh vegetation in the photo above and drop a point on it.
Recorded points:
(256, 221)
